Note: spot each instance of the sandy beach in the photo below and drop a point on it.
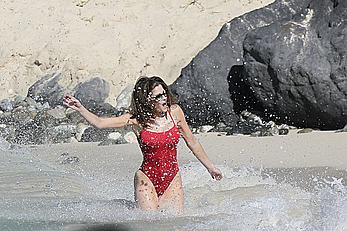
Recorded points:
(294, 151)
(298, 180)
(289, 182)
(316, 149)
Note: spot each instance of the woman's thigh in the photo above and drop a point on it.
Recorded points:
(173, 196)
(145, 194)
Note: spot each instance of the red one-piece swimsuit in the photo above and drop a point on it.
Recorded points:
(160, 156)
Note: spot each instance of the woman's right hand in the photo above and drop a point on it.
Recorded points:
(72, 103)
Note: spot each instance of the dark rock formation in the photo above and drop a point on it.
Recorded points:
(92, 92)
(51, 89)
(35, 119)
(296, 70)
(285, 63)
(203, 87)
(109, 142)
(93, 134)
(6, 105)
(344, 129)
(251, 124)
(48, 89)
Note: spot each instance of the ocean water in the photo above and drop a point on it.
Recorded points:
(37, 195)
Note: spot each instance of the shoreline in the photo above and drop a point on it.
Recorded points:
(315, 149)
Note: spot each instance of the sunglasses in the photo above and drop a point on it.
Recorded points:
(159, 97)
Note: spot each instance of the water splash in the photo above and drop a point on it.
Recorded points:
(248, 198)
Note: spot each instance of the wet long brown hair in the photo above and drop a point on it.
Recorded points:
(141, 108)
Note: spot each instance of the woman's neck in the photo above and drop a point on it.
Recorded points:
(160, 115)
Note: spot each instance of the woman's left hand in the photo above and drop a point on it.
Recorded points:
(215, 173)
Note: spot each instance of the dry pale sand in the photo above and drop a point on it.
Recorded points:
(119, 40)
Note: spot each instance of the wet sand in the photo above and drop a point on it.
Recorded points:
(316, 149)
(298, 178)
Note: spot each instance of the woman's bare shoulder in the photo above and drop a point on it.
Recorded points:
(177, 113)
(176, 109)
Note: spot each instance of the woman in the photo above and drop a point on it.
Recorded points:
(158, 123)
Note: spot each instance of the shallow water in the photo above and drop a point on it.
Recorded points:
(38, 195)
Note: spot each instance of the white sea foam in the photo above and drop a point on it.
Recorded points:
(246, 199)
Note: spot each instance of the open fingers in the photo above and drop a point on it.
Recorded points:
(69, 98)
(71, 102)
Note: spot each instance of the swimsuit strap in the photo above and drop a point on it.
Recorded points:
(171, 117)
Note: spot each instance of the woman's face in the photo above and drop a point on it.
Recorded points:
(158, 97)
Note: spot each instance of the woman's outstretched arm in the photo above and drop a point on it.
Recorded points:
(112, 122)
(194, 145)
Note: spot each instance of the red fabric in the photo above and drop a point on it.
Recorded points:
(160, 156)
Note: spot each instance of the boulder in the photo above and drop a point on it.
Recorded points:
(114, 135)
(93, 92)
(29, 133)
(6, 105)
(51, 89)
(130, 137)
(7, 132)
(59, 134)
(108, 142)
(92, 134)
(205, 128)
(51, 117)
(81, 127)
(18, 117)
(123, 100)
(204, 86)
(305, 130)
(344, 129)
(48, 89)
(296, 69)
(74, 116)
(104, 109)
